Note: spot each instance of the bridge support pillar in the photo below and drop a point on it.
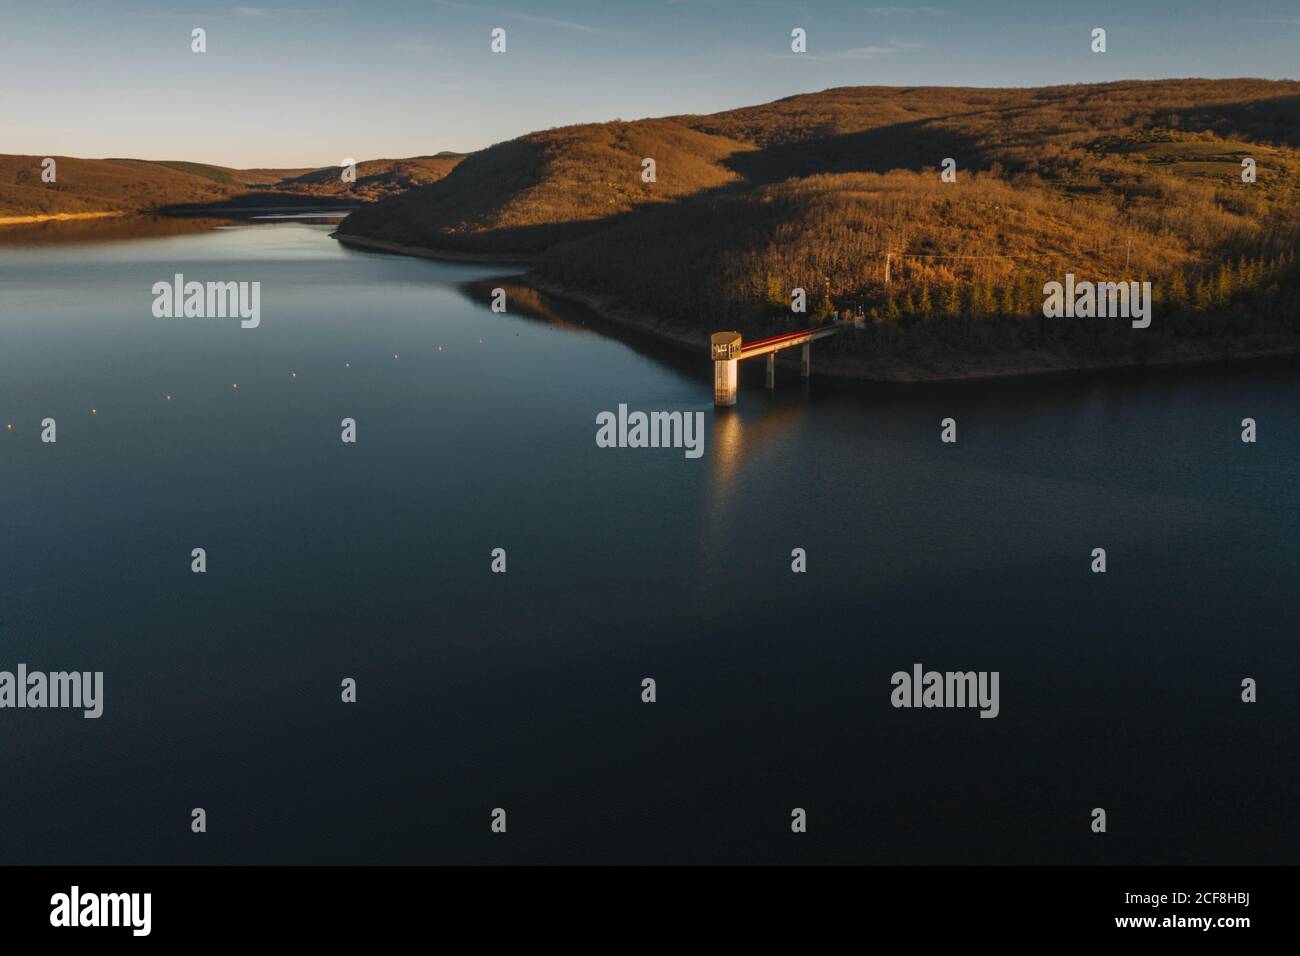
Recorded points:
(726, 355)
(771, 370)
(805, 366)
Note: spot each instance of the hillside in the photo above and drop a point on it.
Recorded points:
(1132, 180)
(376, 178)
(86, 186)
(529, 193)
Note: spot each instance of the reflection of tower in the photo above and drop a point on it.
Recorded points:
(737, 443)
(726, 354)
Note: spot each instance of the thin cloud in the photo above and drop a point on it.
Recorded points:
(853, 53)
(414, 46)
(558, 24)
(273, 11)
(905, 11)
(561, 24)
(867, 52)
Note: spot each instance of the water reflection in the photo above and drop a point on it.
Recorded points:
(121, 228)
(524, 300)
(105, 230)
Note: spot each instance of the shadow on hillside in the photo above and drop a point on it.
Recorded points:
(404, 219)
(470, 193)
(508, 170)
(910, 146)
(1274, 120)
(536, 239)
(531, 240)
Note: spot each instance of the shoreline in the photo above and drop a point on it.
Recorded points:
(836, 368)
(832, 367)
(58, 217)
(425, 252)
(238, 212)
(612, 312)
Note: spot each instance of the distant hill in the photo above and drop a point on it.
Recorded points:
(376, 178)
(529, 193)
(85, 186)
(1127, 180)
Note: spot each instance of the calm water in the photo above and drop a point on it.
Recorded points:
(522, 690)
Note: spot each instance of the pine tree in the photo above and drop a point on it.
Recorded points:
(1029, 296)
(1245, 277)
(775, 294)
(1176, 290)
(982, 302)
(825, 308)
(952, 301)
(1204, 294)
(1223, 286)
(1007, 300)
(924, 304)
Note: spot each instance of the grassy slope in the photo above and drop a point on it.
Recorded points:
(376, 178)
(127, 185)
(98, 185)
(529, 193)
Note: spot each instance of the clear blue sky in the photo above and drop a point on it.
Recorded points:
(309, 85)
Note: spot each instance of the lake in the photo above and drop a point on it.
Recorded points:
(523, 691)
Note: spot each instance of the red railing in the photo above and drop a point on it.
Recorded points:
(773, 340)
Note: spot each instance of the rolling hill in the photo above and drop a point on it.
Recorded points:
(527, 194)
(90, 186)
(1131, 180)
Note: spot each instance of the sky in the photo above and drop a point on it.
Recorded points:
(312, 85)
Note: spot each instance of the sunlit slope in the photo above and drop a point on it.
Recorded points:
(130, 185)
(1134, 180)
(529, 193)
(580, 173)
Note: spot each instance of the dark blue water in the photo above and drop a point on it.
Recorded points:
(522, 691)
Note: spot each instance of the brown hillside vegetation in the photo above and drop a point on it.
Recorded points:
(1132, 180)
(103, 185)
(376, 178)
(85, 186)
(529, 193)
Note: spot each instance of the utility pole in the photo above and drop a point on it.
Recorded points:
(888, 255)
